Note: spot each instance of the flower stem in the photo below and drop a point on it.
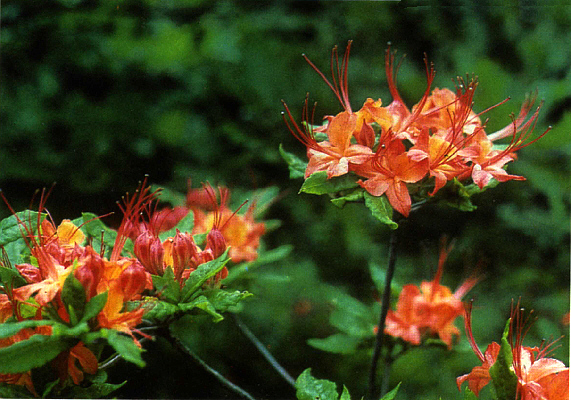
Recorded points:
(385, 304)
(262, 349)
(225, 382)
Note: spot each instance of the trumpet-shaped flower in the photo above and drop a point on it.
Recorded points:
(429, 309)
(538, 377)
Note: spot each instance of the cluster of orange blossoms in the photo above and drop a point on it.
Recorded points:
(441, 137)
(60, 251)
(428, 310)
(538, 377)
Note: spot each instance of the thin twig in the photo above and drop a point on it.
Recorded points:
(389, 359)
(262, 349)
(225, 382)
(384, 311)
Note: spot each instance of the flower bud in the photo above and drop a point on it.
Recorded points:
(89, 273)
(133, 280)
(149, 251)
(215, 242)
(183, 251)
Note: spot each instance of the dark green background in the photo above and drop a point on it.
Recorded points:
(95, 94)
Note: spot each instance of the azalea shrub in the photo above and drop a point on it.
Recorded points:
(443, 226)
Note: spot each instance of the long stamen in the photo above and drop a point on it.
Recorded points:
(468, 329)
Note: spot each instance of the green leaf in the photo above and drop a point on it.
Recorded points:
(167, 286)
(264, 258)
(202, 274)
(353, 317)
(94, 306)
(166, 195)
(296, 165)
(317, 183)
(468, 394)
(345, 394)
(157, 309)
(11, 276)
(8, 329)
(98, 388)
(13, 391)
(381, 209)
(309, 388)
(503, 377)
(184, 225)
(355, 195)
(222, 300)
(73, 297)
(11, 233)
(93, 227)
(392, 394)
(125, 346)
(202, 303)
(338, 343)
(31, 353)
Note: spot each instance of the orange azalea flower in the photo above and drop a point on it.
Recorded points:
(538, 377)
(240, 231)
(447, 137)
(389, 172)
(430, 309)
(337, 153)
(65, 363)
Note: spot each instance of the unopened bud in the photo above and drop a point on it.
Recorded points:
(149, 251)
(183, 251)
(216, 243)
(90, 272)
(133, 280)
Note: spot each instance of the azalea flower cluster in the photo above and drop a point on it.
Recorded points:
(57, 253)
(392, 147)
(64, 252)
(429, 309)
(538, 377)
(240, 232)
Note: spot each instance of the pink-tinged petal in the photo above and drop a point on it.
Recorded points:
(338, 167)
(375, 186)
(480, 177)
(544, 367)
(556, 386)
(340, 130)
(397, 327)
(477, 379)
(399, 198)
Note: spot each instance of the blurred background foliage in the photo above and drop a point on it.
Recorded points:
(95, 94)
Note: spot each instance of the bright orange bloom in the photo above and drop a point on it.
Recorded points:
(538, 377)
(336, 154)
(430, 309)
(66, 365)
(240, 231)
(389, 172)
(440, 137)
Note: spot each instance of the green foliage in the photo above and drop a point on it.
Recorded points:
(13, 229)
(99, 388)
(469, 395)
(381, 209)
(309, 388)
(203, 273)
(503, 376)
(318, 183)
(34, 352)
(96, 231)
(296, 166)
(124, 345)
(73, 297)
(184, 225)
